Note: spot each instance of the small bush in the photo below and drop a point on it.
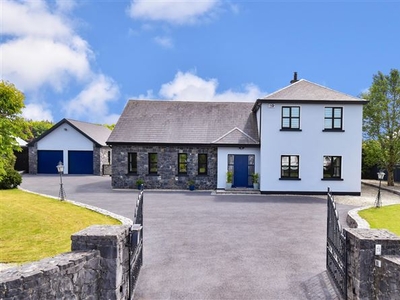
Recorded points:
(11, 180)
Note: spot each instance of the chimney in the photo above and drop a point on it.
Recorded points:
(294, 78)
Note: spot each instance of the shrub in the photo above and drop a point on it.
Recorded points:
(11, 180)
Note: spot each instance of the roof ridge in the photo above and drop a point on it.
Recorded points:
(283, 88)
(328, 88)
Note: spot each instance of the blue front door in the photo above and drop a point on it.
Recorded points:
(241, 174)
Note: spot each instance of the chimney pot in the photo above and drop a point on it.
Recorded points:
(294, 78)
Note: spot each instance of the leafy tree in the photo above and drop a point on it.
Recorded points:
(382, 119)
(12, 125)
(37, 128)
(109, 126)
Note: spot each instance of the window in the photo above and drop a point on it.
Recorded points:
(153, 163)
(289, 166)
(333, 118)
(132, 162)
(332, 167)
(291, 117)
(182, 163)
(202, 164)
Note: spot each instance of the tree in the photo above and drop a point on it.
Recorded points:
(37, 128)
(382, 118)
(12, 125)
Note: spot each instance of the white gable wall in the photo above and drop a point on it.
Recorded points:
(311, 144)
(65, 138)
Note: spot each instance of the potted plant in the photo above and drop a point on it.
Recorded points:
(139, 183)
(229, 179)
(255, 177)
(191, 185)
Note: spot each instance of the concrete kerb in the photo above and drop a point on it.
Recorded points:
(123, 220)
(382, 188)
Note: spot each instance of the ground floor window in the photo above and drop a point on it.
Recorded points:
(182, 163)
(132, 162)
(153, 168)
(202, 164)
(289, 166)
(332, 166)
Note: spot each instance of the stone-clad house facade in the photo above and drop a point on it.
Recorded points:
(169, 143)
(302, 138)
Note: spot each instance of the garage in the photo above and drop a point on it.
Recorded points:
(81, 146)
(48, 160)
(80, 162)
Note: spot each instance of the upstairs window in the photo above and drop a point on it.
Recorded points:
(291, 117)
(333, 118)
(132, 162)
(202, 164)
(332, 167)
(289, 167)
(153, 169)
(182, 163)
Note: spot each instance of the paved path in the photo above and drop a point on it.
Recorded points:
(203, 246)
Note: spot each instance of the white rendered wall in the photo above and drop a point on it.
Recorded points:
(223, 161)
(311, 144)
(65, 138)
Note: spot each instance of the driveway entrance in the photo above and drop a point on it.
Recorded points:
(203, 246)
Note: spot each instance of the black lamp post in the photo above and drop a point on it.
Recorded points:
(378, 202)
(60, 169)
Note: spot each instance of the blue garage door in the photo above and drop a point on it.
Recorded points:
(48, 161)
(80, 162)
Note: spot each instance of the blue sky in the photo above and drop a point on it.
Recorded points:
(84, 59)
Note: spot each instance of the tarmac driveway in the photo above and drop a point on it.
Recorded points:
(204, 246)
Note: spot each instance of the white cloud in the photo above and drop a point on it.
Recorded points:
(37, 112)
(190, 87)
(32, 62)
(165, 42)
(42, 49)
(92, 103)
(173, 11)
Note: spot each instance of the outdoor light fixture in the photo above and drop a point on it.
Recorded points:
(60, 169)
(378, 202)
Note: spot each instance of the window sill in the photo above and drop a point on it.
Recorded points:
(332, 179)
(152, 174)
(290, 129)
(289, 178)
(131, 174)
(333, 130)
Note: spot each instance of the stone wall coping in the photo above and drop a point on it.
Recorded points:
(354, 220)
(101, 231)
(392, 258)
(372, 234)
(47, 265)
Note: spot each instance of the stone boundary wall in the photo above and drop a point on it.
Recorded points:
(370, 274)
(97, 268)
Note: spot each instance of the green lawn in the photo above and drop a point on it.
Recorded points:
(33, 227)
(385, 217)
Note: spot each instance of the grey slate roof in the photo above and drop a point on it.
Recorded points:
(306, 91)
(98, 134)
(186, 122)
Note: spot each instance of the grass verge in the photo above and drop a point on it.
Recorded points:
(385, 217)
(33, 227)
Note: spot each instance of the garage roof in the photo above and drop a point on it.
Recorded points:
(98, 134)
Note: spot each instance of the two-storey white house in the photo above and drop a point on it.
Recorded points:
(310, 139)
(300, 139)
